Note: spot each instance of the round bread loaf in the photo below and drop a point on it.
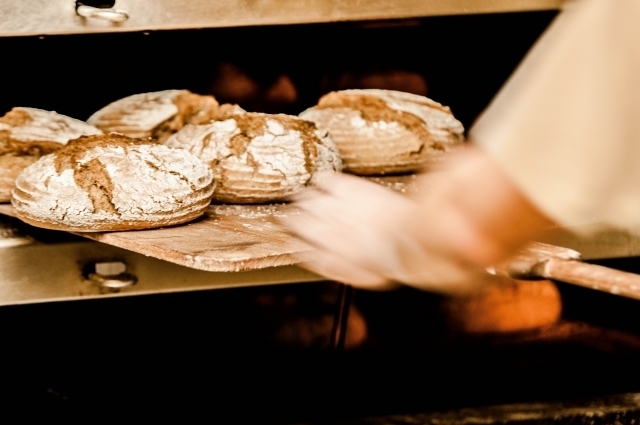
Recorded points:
(384, 131)
(28, 133)
(112, 182)
(159, 114)
(259, 158)
(506, 306)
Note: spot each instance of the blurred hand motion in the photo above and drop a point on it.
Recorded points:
(441, 239)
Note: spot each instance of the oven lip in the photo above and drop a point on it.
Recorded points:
(39, 272)
(54, 17)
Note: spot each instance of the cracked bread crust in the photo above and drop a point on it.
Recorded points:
(159, 114)
(259, 158)
(385, 131)
(112, 182)
(28, 133)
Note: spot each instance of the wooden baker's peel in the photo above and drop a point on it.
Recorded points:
(539, 260)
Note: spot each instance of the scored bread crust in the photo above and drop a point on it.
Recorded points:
(112, 182)
(28, 133)
(385, 131)
(158, 114)
(258, 158)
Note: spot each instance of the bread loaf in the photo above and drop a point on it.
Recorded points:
(259, 158)
(28, 133)
(384, 131)
(112, 182)
(505, 306)
(158, 114)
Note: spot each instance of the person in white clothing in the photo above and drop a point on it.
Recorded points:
(559, 145)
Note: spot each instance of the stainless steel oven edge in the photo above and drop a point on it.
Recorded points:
(46, 17)
(40, 272)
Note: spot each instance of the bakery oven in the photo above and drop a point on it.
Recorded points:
(215, 318)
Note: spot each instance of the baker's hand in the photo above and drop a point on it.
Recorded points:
(465, 216)
(371, 237)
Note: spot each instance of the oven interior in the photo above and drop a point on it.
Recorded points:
(463, 60)
(244, 355)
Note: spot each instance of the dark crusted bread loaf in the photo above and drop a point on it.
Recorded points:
(158, 114)
(384, 131)
(258, 157)
(112, 182)
(28, 133)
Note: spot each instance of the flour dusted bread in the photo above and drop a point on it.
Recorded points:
(384, 131)
(158, 114)
(112, 182)
(28, 133)
(259, 158)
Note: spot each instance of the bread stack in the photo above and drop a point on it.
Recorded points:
(165, 155)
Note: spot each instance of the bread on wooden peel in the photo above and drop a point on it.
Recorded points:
(384, 131)
(112, 182)
(28, 133)
(259, 158)
(159, 114)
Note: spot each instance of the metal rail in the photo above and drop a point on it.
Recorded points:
(50, 17)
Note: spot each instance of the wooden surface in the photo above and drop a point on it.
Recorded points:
(592, 276)
(562, 264)
(227, 238)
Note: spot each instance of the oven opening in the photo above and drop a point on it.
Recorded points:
(277, 354)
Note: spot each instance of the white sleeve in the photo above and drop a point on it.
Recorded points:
(566, 126)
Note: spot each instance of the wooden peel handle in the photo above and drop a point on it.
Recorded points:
(591, 276)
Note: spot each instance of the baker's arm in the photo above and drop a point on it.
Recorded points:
(465, 217)
(565, 128)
